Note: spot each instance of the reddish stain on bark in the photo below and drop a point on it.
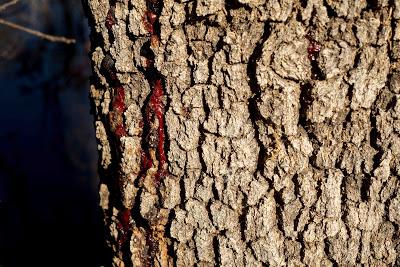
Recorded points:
(119, 99)
(149, 19)
(110, 18)
(155, 108)
(124, 225)
(149, 63)
(141, 124)
(313, 48)
(158, 106)
(119, 107)
(156, 102)
(120, 131)
(146, 161)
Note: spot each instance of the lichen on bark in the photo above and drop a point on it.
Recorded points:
(248, 132)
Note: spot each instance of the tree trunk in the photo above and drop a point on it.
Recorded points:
(248, 132)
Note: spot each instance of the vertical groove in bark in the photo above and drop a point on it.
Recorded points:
(255, 117)
(247, 132)
(256, 90)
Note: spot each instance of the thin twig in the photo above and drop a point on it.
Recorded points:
(45, 36)
(5, 5)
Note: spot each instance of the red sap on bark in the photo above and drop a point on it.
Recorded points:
(148, 21)
(313, 48)
(118, 105)
(119, 100)
(156, 102)
(155, 105)
(110, 18)
(124, 225)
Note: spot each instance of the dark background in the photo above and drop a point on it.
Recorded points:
(49, 214)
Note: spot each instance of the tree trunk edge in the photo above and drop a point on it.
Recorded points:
(248, 132)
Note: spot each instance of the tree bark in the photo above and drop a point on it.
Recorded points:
(248, 132)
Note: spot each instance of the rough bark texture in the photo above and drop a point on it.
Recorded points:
(248, 132)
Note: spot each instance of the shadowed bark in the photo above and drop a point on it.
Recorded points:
(248, 132)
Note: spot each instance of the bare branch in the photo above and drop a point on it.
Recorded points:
(6, 5)
(45, 36)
